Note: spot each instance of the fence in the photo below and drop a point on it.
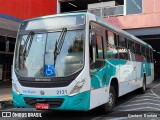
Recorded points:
(108, 11)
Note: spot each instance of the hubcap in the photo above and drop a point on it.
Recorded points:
(111, 99)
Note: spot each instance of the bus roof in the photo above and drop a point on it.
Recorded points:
(58, 15)
(101, 21)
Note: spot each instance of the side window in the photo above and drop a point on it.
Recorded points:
(111, 51)
(123, 52)
(139, 58)
(137, 48)
(148, 54)
(97, 50)
(143, 51)
(132, 57)
(131, 45)
(115, 40)
(122, 41)
(99, 54)
(99, 47)
(123, 55)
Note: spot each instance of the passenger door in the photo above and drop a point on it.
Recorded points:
(97, 68)
(98, 94)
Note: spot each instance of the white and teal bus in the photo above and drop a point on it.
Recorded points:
(77, 61)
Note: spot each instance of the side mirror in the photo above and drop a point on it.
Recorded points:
(93, 39)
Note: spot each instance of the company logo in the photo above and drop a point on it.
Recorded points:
(29, 91)
(42, 92)
(6, 114)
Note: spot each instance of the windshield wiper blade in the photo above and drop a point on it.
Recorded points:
(29, 39)
(59, 44)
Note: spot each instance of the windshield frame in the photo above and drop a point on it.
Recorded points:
(47, 31)
(25, 22)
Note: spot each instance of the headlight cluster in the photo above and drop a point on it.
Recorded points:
(15, 87)
(77, 88)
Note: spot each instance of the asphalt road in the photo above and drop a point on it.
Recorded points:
(127, 106)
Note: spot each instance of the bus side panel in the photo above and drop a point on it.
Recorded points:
(127, 79)
(100, 83)
(149, 72)
(140, 73)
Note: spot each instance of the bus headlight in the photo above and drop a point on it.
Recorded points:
(15, 88)
(77, 88)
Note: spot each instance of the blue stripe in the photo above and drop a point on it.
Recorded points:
(10, 18)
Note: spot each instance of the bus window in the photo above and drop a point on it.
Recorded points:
(111, 49)
(116, 40)
(123, 55)
(131, 46)
(99, 47)
(137, 48)
(143, 50)
(122, 41)
(151, 55)
(99, 62)
(147, 55)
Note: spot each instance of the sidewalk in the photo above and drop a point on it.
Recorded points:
(5, 90)
(5, 94)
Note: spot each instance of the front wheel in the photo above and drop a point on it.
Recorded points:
(108, 107)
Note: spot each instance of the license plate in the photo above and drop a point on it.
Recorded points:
(42, 106)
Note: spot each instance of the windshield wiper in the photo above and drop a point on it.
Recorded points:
(29, 39)
(59, 44)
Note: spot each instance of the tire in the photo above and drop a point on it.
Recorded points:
(143, 88)
(108, 107)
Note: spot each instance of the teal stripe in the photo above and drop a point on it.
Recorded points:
(80, 101)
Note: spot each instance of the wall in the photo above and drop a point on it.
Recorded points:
(149, 18)
(24, 9)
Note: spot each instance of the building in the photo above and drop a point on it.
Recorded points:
(139, 17)
(12, 12)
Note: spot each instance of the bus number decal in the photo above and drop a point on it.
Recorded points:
(61, 92)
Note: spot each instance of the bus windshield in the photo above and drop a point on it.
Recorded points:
(35, 54)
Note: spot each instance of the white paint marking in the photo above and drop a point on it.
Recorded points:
(120, 118)
(147, 103)
(128, 101)
(148, 94)
(149, 97)
(154, 92)
(145, 100)
(141, 108)
(156, 86)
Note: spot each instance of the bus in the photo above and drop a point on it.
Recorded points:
(77, 61)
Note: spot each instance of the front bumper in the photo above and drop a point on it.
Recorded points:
(80, 101)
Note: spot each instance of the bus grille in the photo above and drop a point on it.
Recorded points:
(53, 102)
